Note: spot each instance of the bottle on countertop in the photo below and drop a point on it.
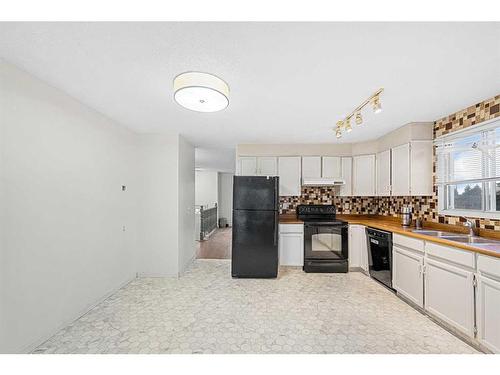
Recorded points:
(418, 223)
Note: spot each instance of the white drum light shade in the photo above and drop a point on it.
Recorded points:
(201, 92)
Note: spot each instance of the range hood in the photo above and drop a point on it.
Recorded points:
(322, 181)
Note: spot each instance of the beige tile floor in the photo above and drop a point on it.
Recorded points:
(206, 311)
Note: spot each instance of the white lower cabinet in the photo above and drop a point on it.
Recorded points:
(407, 275)
(291, 245)
(358, 249)
(449, 294)
(488, 302)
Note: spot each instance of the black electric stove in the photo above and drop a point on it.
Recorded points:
(325, 239)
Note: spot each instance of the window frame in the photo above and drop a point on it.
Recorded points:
(487, 184)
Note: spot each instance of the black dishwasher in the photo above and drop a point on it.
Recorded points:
(380, 255)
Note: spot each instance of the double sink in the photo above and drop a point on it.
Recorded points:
(458, 237)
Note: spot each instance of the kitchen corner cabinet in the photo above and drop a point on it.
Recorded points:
(421, 160)
(400, 170)
(291, 245)
(358, 248)
(289, 172)
(384, 173)
(346, 189)
(411, 169)
(363, 179)
(488, 302)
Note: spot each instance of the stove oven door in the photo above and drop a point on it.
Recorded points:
(325, 241)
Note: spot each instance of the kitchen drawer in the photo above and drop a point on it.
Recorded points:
(291, 228)
(408, 242)
(489, 266)
(451, 254)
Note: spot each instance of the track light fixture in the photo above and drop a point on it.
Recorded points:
(345, 124)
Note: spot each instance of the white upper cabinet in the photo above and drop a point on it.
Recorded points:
(311, 167)
(257, 166)
(267, 166)
(411, 172)
(289, 171)
(346, 188)
(332, 167)
(401, 170)
(384, 173)
(363, 181)
(421, 168)
(247, 166)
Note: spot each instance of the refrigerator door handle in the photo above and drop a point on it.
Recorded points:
(276, 226)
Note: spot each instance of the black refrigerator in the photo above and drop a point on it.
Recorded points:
(255, 227)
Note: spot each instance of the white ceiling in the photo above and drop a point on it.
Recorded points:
(290, 82)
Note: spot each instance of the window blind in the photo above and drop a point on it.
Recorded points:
(472, 157)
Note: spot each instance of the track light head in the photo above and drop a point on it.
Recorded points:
(377, 106)
(348, 127)
(359, 118)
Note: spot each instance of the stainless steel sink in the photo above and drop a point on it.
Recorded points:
(437, 233)
(457, 237)
(471, 240)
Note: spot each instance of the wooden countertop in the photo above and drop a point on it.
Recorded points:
(392, 224)
(289, 219)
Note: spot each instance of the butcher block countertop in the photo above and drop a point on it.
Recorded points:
(290, 219)
(392, 224)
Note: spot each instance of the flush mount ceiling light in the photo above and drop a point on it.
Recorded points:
(201, 92)
(345, 124)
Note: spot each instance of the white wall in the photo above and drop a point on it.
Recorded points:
(206, 191)
(157, 213)
(225, 199)
(404, 134)
(62, 208)
(62, 166)
(187, 246)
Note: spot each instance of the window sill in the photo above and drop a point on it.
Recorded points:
(470, 213)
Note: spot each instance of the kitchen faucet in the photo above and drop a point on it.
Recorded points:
(471, 224)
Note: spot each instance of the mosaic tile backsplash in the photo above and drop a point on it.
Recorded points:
(425, 207)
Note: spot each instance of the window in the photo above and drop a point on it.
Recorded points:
(468, 171)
